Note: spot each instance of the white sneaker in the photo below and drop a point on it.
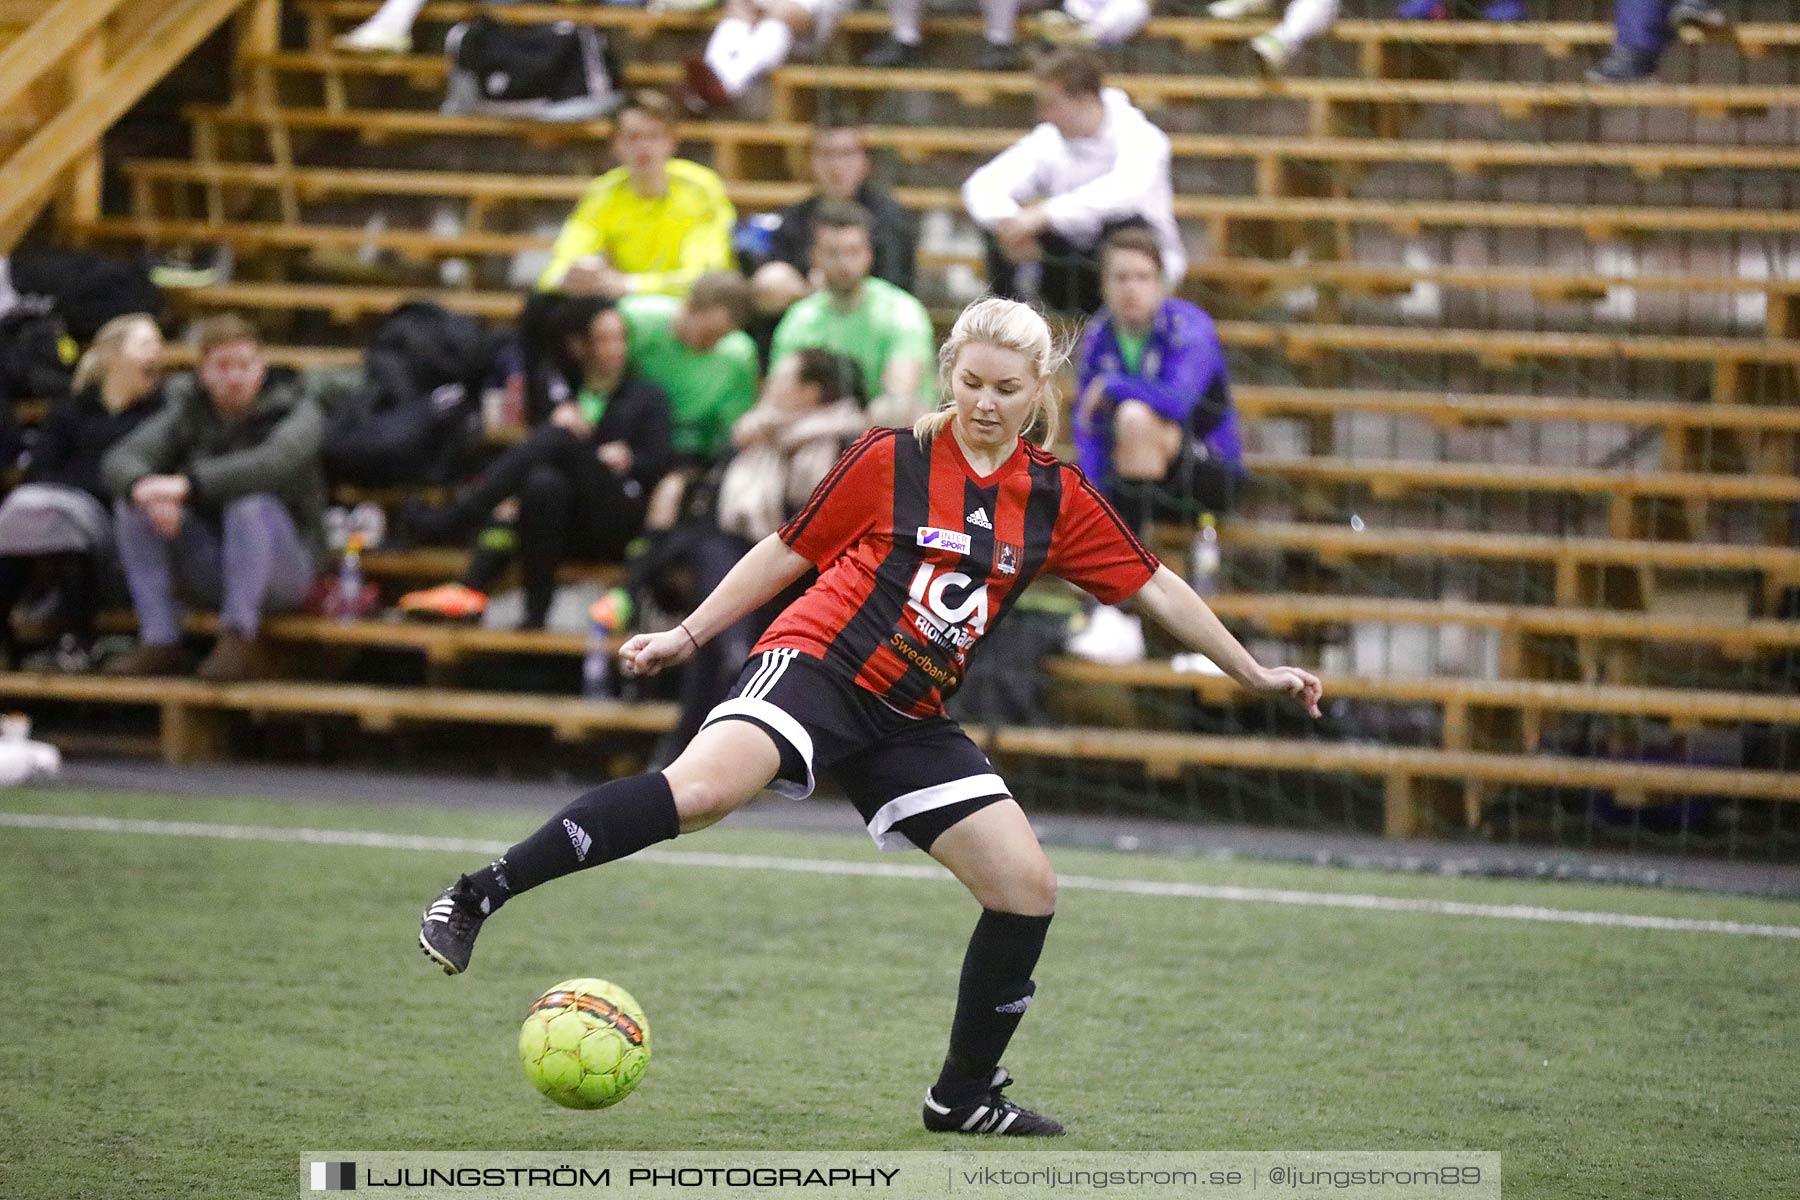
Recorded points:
(1111, 637)
(1232, 10)
(1272, 54)
(370, 38)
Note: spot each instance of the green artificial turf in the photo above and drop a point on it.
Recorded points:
(185, 1015)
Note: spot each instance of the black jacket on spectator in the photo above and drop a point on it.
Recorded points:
(638, 415)
(12, 440)
(77, 433)
(896, 241)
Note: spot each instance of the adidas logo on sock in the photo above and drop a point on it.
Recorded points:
(579, 838)
(979, 519)
(1016, 1006)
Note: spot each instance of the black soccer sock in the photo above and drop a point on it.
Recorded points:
(612, 821)
(1136, 503)
(996, 989)
(493, 552)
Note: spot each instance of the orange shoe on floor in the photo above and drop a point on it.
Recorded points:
(446, 602)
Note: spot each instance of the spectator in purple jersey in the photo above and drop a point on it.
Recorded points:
(1154, 425)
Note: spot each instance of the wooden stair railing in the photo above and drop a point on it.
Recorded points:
(77, 69)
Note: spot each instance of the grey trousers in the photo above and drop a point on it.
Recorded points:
(250, 562)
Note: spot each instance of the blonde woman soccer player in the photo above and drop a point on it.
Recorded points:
(923, 539)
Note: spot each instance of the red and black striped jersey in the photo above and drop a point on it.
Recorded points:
(919, 556)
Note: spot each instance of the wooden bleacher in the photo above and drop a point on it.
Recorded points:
(283, 169)
(1221, 213)
(192, 724)
(327, 17)
(798, 81)
(725, 138)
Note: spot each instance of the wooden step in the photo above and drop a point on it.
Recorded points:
(1755, 37)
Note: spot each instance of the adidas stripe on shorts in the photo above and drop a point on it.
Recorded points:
(910, 779)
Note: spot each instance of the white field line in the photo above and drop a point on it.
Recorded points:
(819, 866)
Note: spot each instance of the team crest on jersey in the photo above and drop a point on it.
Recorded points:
(1006, 558)
(943, 539)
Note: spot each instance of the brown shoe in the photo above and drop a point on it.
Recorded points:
(234, 659)
(148, 660)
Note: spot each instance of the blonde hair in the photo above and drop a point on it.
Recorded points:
(97, 360)
(1011, 325)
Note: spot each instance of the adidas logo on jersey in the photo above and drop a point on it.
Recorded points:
(578, 837)
(979, 519)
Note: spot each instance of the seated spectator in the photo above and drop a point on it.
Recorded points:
(1301, 22)
(1154, 422)
(840, 170)
(999, 51)
(812, 408)
(218, 497)
(1439, 10)
(1094, 164)
(59, 516)
(1643, 29)
(655, 223)
(752, 38)
(697, 351)
(577, 485)
(886, 331)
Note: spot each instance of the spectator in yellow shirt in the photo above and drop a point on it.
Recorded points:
(653, 224)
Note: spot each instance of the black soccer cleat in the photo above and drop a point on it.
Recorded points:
(448, 930)
(992, 1113)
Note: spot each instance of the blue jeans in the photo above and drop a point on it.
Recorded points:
(1642, 26)
(250, 562)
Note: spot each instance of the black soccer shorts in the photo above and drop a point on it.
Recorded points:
(910, 778)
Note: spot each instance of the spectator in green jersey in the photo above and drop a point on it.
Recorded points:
(884, 330)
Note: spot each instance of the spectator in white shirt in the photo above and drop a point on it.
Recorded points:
(1095, 164)
(1302, 21)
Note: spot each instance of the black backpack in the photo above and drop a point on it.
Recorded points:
(37, 355)
(559, 72)
(419, 409)
(89, 289)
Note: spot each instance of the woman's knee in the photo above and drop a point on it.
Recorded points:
(1144, 442)
(1031, 891)
(721, 770)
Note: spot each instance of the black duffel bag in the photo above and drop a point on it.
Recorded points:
(558, 72)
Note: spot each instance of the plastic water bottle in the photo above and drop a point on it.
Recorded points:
(368, 522)
(350, 579)
(1204, 561)
(596, 664)
(337, 527)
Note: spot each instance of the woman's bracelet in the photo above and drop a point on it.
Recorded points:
(682, 625)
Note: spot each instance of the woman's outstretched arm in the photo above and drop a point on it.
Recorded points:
(1171, 603)
(760, 576)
